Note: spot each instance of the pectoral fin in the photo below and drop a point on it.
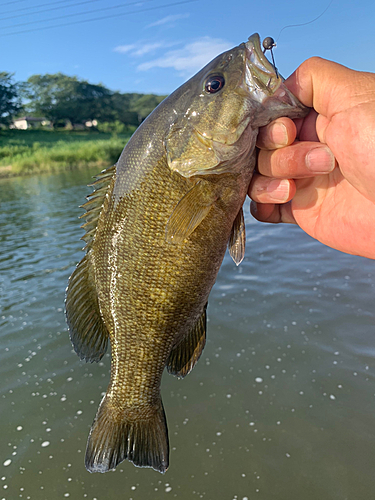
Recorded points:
(236, 244)
(190, 212)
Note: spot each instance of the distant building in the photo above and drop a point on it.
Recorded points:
(91, 123)
(27, 122)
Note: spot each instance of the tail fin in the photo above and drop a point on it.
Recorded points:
(112, 440)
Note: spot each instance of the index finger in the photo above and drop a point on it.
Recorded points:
(277, 134)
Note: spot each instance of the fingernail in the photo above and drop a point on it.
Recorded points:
(320, 160)
(278, 133)
(279, 189)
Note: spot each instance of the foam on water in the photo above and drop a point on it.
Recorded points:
(280, 405)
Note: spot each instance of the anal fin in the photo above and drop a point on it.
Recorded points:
(237, 241)
(88, 332)
(185, 355)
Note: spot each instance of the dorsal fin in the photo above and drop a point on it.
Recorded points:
(88, 332)
(184, 356)
(94, 204)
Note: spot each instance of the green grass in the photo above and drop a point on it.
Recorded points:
(32, 151)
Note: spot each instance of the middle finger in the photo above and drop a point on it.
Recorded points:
(301, 159)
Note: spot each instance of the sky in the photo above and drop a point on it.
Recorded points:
(153, 46)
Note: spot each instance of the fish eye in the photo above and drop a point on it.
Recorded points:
(214, 83)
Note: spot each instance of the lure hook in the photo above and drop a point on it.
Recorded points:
(268, 44)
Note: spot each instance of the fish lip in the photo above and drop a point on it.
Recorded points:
(265, 83)
(261, 78)
(253, 45)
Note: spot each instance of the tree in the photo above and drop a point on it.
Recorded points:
(122, 109)
(60, 97)
(143, 104)
(10, 100)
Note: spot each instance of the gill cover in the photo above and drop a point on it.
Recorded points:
(198, 141)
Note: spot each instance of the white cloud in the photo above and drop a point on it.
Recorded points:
(141, 48)
(123, 49)
(168, 20)
(150, 47)
(190, 58)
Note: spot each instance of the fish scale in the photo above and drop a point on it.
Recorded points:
(148, 291)
(169, 209)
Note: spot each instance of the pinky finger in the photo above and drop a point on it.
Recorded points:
(268, 212)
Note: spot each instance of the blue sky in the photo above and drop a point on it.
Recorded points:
(155, 45)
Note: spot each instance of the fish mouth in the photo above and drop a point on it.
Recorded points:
(261, 77)
(265, 83)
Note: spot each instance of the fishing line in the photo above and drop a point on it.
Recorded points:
(305, 24)
(268, 44)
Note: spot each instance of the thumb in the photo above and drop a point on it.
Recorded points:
(326, 86)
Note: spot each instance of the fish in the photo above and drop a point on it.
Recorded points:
(157, 227)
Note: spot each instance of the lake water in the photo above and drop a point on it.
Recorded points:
(281, 406)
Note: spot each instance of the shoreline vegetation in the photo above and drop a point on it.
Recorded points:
(74, 123)
(27, 152)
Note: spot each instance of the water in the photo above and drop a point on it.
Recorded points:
(280, 406)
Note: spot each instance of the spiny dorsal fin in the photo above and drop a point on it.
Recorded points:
(94, 204)
(237, 239)
(184, 356)
(88, 332)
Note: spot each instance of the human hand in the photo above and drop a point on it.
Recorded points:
(319, 172)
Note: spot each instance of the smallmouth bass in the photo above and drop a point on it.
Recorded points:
(158, 224)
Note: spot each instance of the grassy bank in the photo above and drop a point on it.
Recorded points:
(25, 152)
